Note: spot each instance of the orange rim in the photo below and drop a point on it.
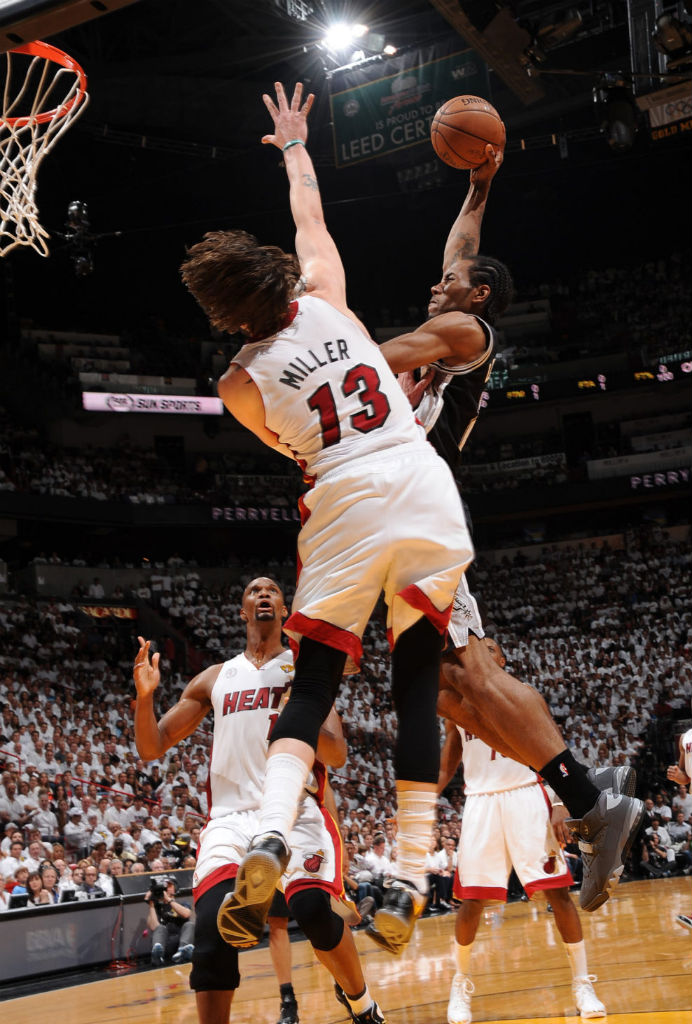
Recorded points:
(51, 53)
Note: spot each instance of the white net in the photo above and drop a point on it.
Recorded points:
(44, 92)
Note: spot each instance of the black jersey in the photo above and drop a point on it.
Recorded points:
(449, 409)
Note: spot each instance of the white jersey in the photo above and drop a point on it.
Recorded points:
(486, 771)
(686, 742)
(328, 392)
(246, 705)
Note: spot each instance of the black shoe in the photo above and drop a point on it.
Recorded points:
(371, 1016)
(243, 912)
(394, 922)
(289, 1012)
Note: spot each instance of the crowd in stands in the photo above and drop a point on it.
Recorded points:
(642, 310)
(28, 464)
(603, 633)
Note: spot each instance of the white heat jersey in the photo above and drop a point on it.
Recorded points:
(246, 705)
(328, 393)
(686, 742)
(486, 771)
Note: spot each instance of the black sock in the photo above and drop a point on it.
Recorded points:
(569, 781)
(287, 993)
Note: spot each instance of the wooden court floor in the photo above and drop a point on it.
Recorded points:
(642, 958)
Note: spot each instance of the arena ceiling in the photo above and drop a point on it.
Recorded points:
(169, 147)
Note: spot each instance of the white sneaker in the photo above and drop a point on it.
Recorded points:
(459, 1008)
(588, 1003)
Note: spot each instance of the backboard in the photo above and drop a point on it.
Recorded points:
(23, 21)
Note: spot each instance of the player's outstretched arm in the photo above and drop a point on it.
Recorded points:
(318, 255)
(153, 737)
(676, 772)
(464, 237)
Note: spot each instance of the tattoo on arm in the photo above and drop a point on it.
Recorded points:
(467, 246)
(310, 182)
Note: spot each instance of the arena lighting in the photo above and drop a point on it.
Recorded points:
(340, 36)
(673, 38)
(551, 34)
(618, 112)
(389, 50)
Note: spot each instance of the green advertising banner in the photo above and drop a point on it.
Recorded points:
(391, 113)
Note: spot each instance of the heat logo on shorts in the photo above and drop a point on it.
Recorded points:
(313, 862)
(549, 866)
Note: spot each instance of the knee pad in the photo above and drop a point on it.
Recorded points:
(312, 910)
(416, 662)
(313, 691)
(214, 962)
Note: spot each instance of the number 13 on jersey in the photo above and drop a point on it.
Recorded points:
(365, 381)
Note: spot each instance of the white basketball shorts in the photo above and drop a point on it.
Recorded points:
(504, 830)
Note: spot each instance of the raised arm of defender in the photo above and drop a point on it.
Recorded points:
(318, 256)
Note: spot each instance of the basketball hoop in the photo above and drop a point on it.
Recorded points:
(44, 92)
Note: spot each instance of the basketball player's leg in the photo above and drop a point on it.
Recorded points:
(334, 947)
(515, 713)
(214, 976)
(415, 672)
(452, 705)
(280, 953)
(569, 926)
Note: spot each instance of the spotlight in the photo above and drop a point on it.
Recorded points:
(618, 112)
(389, 50)
(673, 38)
(551, 34)
(359, 31)
(339, 36)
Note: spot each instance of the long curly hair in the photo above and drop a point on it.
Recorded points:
(240, 283)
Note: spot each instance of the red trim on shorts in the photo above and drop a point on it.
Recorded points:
(326, 633)
(415, 597)
(553, 882)
(222, 874)
(482, 892)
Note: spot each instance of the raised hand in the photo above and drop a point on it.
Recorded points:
(289, 122)
(146, 673)
(482, 176)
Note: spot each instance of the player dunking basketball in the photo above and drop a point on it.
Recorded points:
(244, 694)
(458, 343)
(384, 514)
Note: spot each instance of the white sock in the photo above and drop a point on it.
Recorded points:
(284, 782)
(361, 1003)
(576, 953)
(416, 817)
(462, 955)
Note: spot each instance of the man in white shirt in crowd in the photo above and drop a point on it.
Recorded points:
(662, 808)
(665, 842)
(118, 812)
(44, 819)
(11, 805)
(77, 834)
(682, 801)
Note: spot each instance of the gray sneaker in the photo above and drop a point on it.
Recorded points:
(243, 912)
(605, 835)
(621, 779)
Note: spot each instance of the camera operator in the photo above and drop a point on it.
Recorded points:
(169, 922)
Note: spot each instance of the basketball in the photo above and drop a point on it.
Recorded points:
(463, 127)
